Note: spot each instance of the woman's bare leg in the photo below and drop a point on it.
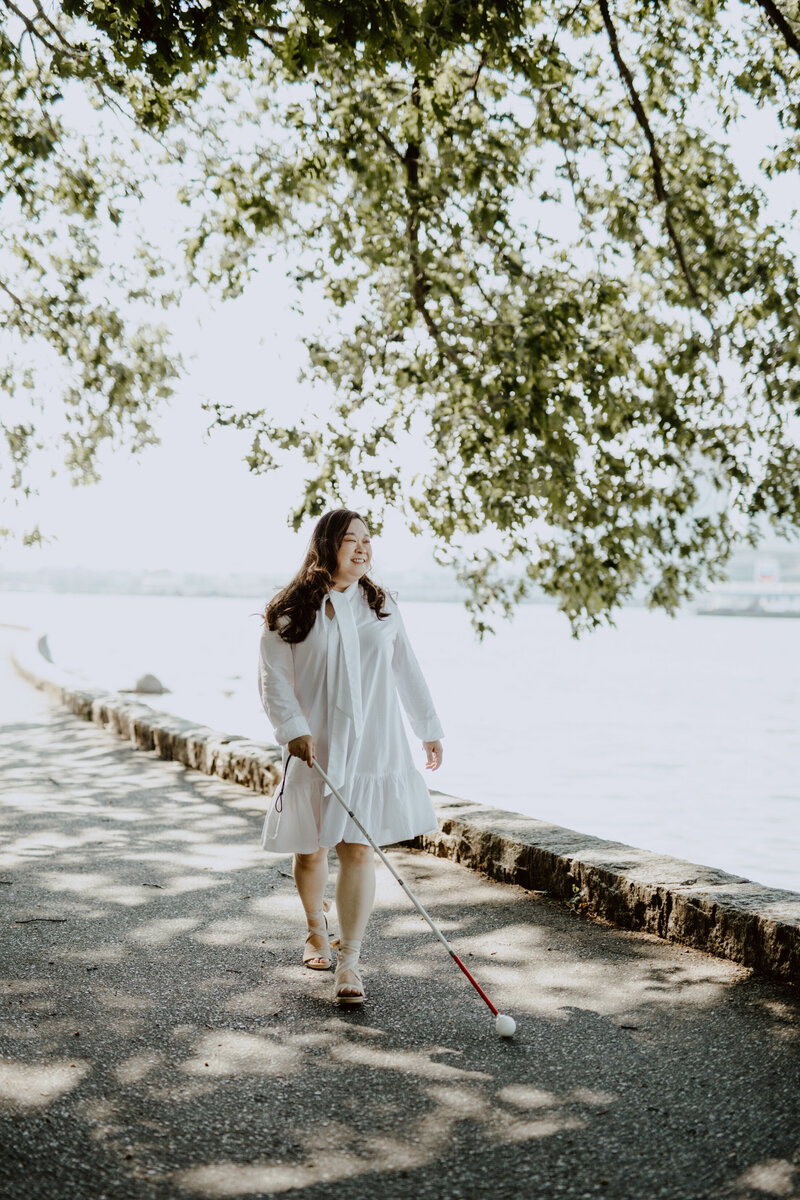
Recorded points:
(355, 896)
(310, 876)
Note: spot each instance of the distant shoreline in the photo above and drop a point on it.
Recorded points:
(433, 586)
(201, 591)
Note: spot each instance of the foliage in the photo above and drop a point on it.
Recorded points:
(548, 267)
(81, 362)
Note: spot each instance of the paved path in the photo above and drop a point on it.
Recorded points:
(160, 1038)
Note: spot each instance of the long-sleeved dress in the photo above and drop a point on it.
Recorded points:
(341, 685)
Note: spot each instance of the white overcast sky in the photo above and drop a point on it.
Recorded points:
(191, 504)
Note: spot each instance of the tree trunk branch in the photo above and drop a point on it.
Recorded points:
(420, 284)
(30, 26)
(389, 144)
(659, 183)
(777, 18)
(33, 317)
(52, 25)
(14, 297)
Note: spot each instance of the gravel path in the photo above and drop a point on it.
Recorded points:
(160, 1037)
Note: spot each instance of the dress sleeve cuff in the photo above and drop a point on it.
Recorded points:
(294, 727)
(429, 730)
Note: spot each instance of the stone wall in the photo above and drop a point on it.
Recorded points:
(723, 914)
(233, 758)
(699, 906)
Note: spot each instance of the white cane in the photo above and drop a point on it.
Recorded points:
(504, 1025)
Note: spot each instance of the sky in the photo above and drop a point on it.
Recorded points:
(191, 504)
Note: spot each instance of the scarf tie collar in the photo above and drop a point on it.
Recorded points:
(343, 681)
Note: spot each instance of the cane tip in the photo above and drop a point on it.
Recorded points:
(506, 1026)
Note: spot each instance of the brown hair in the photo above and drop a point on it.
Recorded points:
(299, 601)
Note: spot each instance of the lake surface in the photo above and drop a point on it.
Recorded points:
(678, 735)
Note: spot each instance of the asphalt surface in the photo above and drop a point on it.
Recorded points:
(160, 1037)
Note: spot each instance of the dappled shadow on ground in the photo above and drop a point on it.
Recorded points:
(162, 1039)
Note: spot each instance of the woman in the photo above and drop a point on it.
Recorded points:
(334, 655)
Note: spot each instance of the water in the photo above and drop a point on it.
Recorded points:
(678, 735)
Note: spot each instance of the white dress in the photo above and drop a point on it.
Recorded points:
(341, 685)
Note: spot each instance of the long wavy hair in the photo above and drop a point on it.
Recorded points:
(299, 601)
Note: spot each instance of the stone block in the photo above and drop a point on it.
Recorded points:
(169, 735)
(208, 747)
(99, 713)
(191, 746)
(185, 742)
(119, 719)
(700, 906)
(80, 703)
(253, 766)
(141, 730)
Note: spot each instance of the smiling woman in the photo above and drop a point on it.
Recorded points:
(334, 657)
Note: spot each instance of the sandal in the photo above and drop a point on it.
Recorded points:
(348, 977)
(313, 957)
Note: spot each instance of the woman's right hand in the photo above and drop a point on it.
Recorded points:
(303, 747)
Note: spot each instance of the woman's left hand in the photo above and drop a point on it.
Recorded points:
(434, 753)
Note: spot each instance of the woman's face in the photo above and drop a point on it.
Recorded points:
(355, 553)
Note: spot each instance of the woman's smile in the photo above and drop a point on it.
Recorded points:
(355, 550)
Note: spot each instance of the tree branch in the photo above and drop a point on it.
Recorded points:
(562, 20)
(777, 18)
(65, 49)
(33, 31)
(420, 284)
(52, 25)
(472, 86)
(659, 184)
(13, 296)
(256, 36)
(33, 317)
(603, 126)
(389, 144)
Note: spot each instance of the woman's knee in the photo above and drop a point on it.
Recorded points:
(306, 861)
(354, 852)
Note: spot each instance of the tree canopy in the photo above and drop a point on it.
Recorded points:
(551, 262)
